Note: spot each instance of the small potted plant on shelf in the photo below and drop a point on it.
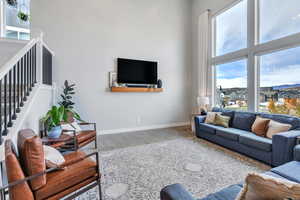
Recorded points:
(67, 103)
(52, 121)
(12, 3)
(23, 16)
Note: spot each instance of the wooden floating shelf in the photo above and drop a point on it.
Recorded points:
(132, 89)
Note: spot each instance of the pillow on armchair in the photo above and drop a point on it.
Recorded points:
(53, 157)
(264, 187)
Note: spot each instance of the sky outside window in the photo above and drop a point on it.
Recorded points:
(278, 19)
(231, 29)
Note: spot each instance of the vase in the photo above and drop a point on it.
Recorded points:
(55, 132)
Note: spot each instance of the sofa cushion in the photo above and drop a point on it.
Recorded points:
(229, 193)
(74, 174)
(230, 133)
(207, 128)
(32, 157)
(286, 119)
(289, 171)
(257, 142)
(243, 120)
(228, 113)
(15, 173)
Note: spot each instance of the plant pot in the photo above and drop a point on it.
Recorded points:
(70, 117)
(55, 132)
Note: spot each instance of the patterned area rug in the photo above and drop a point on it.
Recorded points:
(139, 173)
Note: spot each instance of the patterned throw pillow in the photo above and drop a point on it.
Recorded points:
(210, 117)
(276, 127)
(264, 187)
(222, 120)
(260, 126)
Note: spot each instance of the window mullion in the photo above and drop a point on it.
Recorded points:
(251, 64)
(2, 18)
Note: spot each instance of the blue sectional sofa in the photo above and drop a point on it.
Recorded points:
(289, 171)
(238, 137)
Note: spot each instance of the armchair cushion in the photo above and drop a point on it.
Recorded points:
(175, 192)
(228, 193)
(74, 174)
(32, 157)
(289, 171)
(15, 173)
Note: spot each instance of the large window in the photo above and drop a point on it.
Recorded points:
(231, 82)
(266, 47)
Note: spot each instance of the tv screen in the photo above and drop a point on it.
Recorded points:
(137, 71)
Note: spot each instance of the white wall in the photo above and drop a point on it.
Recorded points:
(88, 36)
(8, 49)
(200, 6)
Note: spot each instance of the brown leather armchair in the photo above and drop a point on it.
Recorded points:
(28, 178)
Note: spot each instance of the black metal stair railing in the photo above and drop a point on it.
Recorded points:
(15, 88)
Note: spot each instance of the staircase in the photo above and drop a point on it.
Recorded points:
(30, 68)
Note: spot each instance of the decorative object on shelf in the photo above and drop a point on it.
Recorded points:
(113, 79)
(159, 83)
(12, 3)
(67, 103)
(23, 14)
(53, 120)
(202, 102)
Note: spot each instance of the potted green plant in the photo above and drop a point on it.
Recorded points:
(53, 119)
(23, 16)
(12, 3)
(67, 102)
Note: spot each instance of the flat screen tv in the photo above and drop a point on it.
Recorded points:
(137, 71)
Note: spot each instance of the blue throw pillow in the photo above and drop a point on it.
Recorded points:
(243, 120)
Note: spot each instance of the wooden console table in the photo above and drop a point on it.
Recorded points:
(138, 89)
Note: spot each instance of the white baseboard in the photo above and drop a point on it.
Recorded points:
(142, 128)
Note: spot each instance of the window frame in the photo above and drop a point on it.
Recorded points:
(252, 52)
(4, 27)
